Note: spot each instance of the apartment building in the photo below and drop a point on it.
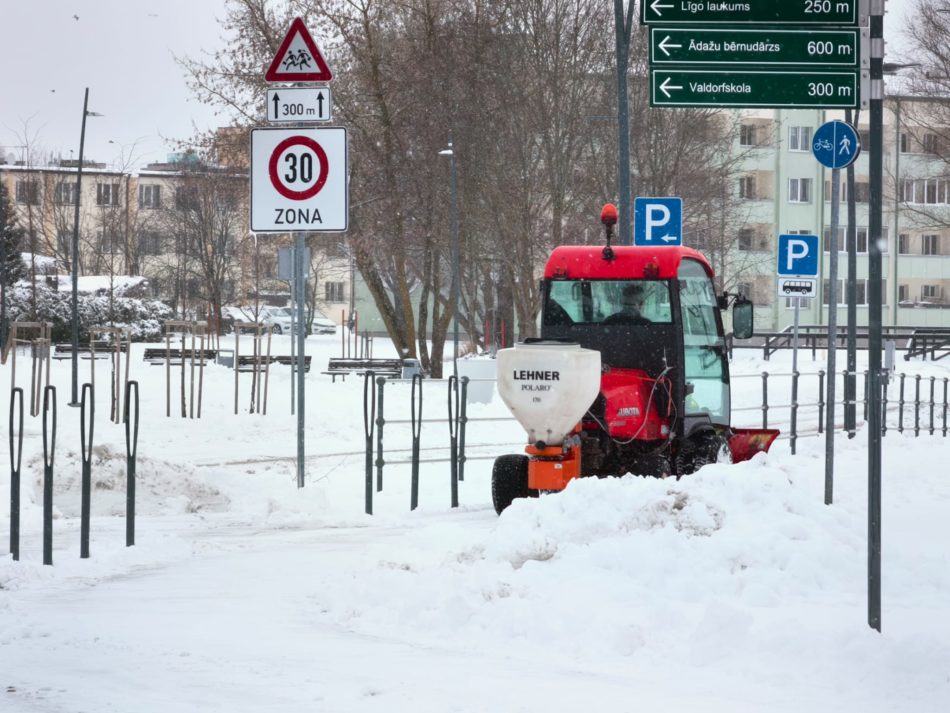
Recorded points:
(181, 224)
(784, 189)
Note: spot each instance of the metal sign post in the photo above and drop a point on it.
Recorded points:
(301, 348)
(836, 145)
(299, 180)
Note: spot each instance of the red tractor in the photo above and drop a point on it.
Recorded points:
(630, 374)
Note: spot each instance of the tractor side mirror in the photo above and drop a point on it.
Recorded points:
(742, 319)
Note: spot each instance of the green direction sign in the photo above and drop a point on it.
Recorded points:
(750, 88)
(783, 12)
(815, 48)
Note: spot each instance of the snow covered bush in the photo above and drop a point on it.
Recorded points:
(143, 317)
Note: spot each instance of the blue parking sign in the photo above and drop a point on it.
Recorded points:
(798, 255)
(658, 221)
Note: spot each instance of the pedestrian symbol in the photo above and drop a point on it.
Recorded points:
(836, 144)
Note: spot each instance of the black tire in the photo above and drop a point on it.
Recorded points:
(276, 329)
(702, 449)
(509, 480)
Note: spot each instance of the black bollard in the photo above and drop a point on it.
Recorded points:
(453, 437)
(131, 450)
(416, 433)
(463, 419)
(16, 456)
(88, 397)
(49, 453)
(369, 420)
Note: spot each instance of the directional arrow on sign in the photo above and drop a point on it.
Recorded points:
(298, 104)
(656, 7)
(666, 86)
(666, 45)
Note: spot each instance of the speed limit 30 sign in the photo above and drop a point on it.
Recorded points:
(298, 180)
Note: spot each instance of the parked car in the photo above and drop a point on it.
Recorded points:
(323, 324)
(279, 317)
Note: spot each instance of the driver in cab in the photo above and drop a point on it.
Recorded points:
(631, 306)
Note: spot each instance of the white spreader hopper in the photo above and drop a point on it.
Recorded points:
(548, 386)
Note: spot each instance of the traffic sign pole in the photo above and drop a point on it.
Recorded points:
(875, 202)
(832, 338)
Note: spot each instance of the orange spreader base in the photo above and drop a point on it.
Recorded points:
(551, 468)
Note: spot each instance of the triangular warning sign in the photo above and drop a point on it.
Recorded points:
(298, 59)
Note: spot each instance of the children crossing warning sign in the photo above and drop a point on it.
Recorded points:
(298, 59)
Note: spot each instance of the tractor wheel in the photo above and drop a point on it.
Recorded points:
(702, 450)
(509, 480)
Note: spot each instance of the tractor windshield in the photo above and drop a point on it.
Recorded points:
(631, 302)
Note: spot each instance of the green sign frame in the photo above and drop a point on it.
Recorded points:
(770, 12)
(759, 47)
(774, 89)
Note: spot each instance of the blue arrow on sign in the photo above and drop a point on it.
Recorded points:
(836, 144)
(658, 221)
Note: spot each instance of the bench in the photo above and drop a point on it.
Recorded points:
(103, 350)
(341, 367)
(246, 361)
(157, 355)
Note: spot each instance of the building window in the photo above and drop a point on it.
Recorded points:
(861, 292)
(747, 187)
(930, 245)
(864, 136)
(28, 192)
(799, 138)
(107, 194)
(861, 191)
(746, 239)
(150, 242)
(107, 241)
(929, 143)
(799, 190)
(334, 291)
(903, 293)
(150, 196)
(790, 302)
(930, 292)
(186, 198)
(66, 193)
(903, 244)
(905, 143)
(747, 135)
(64, 242)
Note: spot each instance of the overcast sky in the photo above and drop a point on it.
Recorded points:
(123, 51)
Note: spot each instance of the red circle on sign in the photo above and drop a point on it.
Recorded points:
(321, 178)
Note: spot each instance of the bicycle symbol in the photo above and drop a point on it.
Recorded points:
(823, 145)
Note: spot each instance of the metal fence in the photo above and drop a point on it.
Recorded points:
(800, 416)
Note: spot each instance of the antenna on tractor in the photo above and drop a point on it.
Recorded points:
(608, 216)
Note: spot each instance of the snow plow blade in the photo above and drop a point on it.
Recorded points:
(746, 442)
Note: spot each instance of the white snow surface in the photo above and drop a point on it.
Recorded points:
(735, 589)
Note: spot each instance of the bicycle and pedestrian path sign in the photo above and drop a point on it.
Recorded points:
(836, 144)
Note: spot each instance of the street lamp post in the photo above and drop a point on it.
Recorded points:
(450, 152)
(74, 302)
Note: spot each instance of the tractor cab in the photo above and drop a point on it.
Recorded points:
(651, 310)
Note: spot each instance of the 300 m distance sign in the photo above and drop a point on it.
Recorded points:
(298, 180)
